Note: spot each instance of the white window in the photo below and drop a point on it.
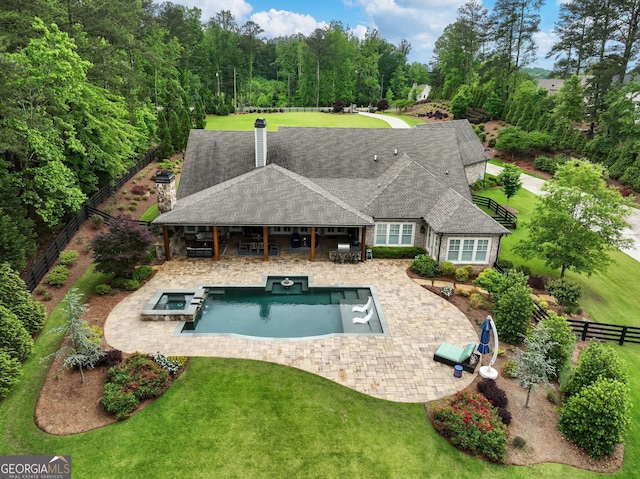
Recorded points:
(468, 250)
(394, 234)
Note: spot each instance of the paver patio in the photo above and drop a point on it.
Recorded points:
(399, 367)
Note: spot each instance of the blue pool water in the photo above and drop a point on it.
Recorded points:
(274, 312)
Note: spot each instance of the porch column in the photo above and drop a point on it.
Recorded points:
(363, 244)
(265, 239)
(216, 246)
(312, 257)
(167, 245)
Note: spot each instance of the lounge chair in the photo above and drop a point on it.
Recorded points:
(364, 307)
(452, 355)
(364, 320)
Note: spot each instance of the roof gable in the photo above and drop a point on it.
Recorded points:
(268, 195)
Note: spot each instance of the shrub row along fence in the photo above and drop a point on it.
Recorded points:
(587, 329)
(88, 209)
(500, 213)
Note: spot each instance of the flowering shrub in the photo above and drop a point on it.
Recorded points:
(136, 377)
(169, 363)
(472, 424)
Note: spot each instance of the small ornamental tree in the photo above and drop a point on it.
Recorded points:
(459, 105)
(566, 293)
(490, 280)
(597, 417)
(383, 105)
(533, 364)
(122, 248)
(597, 360)
(493, 105)
(338, 105)
(83, 348)
(15, 296)
(510, 180)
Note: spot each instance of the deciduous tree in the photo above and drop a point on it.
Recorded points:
(578, 220)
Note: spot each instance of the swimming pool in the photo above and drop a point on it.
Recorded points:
(277, 309)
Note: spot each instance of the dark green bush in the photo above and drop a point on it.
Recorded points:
(9, 372)
(550, 164)
(492, 142)
(597, 417)
(68, 257)
(504, 263)
(131, 285)
(597, 360)
(14, 338)
(513, 307)
(397, 252)
(119, 283)
(448, 269)
(566, 293)
(462, 275)
(425, 266)
(102, 289)
(58, 276)
(472, 424)
(524, 269)
(142, 272)
(490, 280)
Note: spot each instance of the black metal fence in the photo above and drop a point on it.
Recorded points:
(587, 329)
(88, 209)
(500, 213)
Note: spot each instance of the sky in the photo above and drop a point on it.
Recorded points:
(420, 22)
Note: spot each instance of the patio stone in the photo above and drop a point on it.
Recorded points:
(398, 367)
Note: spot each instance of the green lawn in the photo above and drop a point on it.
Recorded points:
(309, 119)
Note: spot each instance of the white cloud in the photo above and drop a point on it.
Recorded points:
(276, 23)
(359, 32)
(239, 8)
(545, 41)
(420, 22)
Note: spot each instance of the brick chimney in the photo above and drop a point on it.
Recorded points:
(261, 142)
(165, 190)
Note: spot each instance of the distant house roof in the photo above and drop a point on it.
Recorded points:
(332, 176)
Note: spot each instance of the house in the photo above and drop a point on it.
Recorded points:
(381, 187)
(422, 92)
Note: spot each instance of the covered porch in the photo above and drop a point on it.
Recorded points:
(340, 244)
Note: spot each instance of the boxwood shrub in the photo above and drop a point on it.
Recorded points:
(397, 252)
(58, 276)
(68, 257)
(425, 266)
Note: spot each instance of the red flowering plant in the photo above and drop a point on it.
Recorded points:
(136, 378)
(471, 423)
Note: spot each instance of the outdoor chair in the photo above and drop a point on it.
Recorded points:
(453, 355)
(364, 320)
(363, 308)
(295, 240)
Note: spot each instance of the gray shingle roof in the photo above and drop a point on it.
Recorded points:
(270, 195)
(471, 149)
(332, 176)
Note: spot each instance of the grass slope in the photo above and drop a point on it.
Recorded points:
(245, 122)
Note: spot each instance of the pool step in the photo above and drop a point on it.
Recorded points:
(351, 294)
(336, 297)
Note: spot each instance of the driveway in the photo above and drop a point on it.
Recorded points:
(394, 122)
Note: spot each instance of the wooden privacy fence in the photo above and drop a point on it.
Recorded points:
(88, 209)
(500, 213)
(588, 329)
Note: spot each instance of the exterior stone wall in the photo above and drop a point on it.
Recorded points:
(475, 172)
(166, 194)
